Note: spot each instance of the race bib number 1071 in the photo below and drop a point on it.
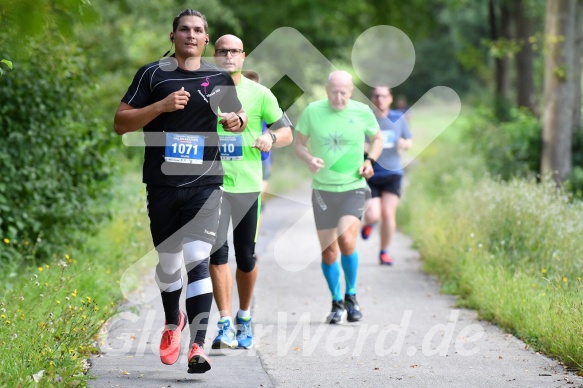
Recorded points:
(184, 148)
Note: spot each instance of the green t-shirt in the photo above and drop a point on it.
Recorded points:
(338, 138)
(242, 162)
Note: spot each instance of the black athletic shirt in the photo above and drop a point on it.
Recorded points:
(209, 87)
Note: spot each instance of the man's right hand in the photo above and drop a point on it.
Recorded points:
(175, 101)
(315, 164)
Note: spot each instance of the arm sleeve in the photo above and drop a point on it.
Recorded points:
(271, 110)
(405, 131)
(303, 126)
(139, 92)
(370, 122)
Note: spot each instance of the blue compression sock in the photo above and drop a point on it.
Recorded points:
(350, 267)
(332, 275)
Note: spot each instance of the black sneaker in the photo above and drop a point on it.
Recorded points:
(352, 308)
(337, 312)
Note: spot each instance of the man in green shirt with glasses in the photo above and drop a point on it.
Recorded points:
(241, 157)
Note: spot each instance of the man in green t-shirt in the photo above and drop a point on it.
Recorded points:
(243, 181)
(330, 139)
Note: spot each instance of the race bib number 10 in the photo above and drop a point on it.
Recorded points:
(231, 147)
(184, 148)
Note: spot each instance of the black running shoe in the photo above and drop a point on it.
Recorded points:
(337, 312)
(352, 308)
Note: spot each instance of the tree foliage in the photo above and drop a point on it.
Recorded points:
(54, 156)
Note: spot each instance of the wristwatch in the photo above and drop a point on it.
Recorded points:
(273, 138)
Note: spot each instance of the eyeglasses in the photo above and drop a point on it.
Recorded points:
(225, 52)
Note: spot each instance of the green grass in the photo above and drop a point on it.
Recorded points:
(50, 316)
(510, 249)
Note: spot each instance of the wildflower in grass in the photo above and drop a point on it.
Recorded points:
(6, 240)
(41, 269)
(544, 270)
(58, 302)
(88, 299)
(564, 280)
(95, 308)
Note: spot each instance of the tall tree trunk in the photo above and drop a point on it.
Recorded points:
(525, 91)
(577, 66)
(559, 88)
(498, 31)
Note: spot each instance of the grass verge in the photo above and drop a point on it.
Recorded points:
(510, 249)
(51, 315)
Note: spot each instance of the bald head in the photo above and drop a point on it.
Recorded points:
(230, 40)
(340, 77)
(339, 89)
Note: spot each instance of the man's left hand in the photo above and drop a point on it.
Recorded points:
(230, 122)
(366, 169)
(263, 143)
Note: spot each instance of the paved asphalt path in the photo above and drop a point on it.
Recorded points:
(410, 336)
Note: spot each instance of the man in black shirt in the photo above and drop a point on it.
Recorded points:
(176, 101)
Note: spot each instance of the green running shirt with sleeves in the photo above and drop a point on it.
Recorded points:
(242, 162)
(338, 138)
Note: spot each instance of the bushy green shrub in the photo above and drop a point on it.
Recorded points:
(510, 148)
(54, 154)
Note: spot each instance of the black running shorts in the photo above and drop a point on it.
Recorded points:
(389, 184)
(177, 213)
(243, 210)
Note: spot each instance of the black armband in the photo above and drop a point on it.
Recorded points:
(282, 122)
(241, 122)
